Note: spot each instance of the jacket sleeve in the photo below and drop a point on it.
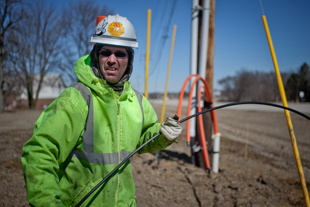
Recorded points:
(150, 129)
(55, 134)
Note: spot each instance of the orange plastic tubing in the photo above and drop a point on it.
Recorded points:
(202, 137)
(182, 94)
(190, 102)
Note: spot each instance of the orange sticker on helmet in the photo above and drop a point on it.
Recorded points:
(116, 29)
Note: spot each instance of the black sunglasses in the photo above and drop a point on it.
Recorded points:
(108, 53)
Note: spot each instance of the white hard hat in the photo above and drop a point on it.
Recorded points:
(115, 30)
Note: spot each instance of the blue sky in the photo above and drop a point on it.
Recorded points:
(240, 39)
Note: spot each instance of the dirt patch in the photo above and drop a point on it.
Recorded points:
(257, 164)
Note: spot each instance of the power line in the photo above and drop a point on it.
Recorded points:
(164, 36)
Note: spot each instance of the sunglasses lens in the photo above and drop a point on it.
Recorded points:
(120, 54)
(105, 53)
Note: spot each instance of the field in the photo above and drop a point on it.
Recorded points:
(257, 164)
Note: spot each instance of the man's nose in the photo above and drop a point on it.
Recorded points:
(112, 58)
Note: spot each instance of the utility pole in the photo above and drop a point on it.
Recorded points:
(207, 74)
(207, 118)
(210, 56)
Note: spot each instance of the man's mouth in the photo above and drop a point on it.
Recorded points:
(111, 69)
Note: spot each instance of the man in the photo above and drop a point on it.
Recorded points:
(76, 142)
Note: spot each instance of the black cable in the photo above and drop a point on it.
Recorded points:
(116, 168)
(183, 120)
(248, 102)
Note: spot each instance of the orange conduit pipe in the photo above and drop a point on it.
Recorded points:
(209, 96)
(205, 155)
(182, 94)
(180, 102)
(190, 102)
(202, 137)
(188, 106)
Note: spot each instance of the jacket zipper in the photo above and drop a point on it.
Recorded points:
(118, 145)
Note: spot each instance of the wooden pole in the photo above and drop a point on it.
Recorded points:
(207, 118)
(210, 56)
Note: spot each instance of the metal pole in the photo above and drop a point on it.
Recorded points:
(204, 40)
(193, 60)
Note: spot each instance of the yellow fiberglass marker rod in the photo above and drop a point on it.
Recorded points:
(287, 114)
(168, 72)
(147, 50)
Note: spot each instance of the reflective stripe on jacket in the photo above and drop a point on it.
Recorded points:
(60, 170)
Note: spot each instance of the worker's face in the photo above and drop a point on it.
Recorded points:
(113, 62)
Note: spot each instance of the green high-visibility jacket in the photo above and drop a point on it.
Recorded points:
(60, 171)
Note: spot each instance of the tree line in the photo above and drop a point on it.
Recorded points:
(263, 86)
(39, 38)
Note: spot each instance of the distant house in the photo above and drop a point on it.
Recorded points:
(51, 88)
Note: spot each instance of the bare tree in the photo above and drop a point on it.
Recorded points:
(251, 86)
(243, 84)
(39, 44)
(265, 91)
(228, 84)
(80, 20)
(11, 12)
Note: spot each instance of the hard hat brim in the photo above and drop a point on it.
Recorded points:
(119, 41)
